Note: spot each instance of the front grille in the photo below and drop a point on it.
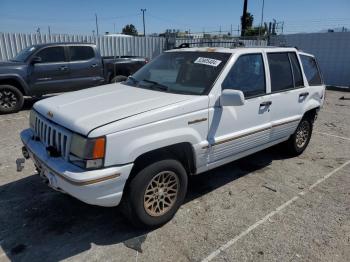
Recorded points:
(52, 135)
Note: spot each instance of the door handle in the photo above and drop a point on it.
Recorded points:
(305, 94)
(94, 65)
(266, 104)
(63, 68)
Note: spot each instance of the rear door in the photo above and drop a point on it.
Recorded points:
(51, 75)
(85, 67)
(288, 93)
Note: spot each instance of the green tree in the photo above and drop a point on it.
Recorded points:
(249, 20)
(129, 30)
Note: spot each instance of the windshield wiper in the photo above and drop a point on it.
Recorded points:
(156, 85)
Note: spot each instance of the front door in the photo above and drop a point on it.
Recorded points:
(236, 130)
(51, 74)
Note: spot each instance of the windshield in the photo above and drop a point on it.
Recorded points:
(24, 54)
(191, 73)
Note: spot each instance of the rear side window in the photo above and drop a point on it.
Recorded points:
(280, 72)
(311, 70)
(78, 53)
(247, 75)
(52, 55)
(298, 77)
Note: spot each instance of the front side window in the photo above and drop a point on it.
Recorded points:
(311, 70)
(52, 55)
(79, 53)
(247, 75)
(280, 72)
(191, 73)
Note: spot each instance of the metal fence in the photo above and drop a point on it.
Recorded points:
(330, 49)
(12, 43)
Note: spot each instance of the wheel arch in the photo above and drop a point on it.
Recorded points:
(16, 82)
(311, 113)
(183, 152)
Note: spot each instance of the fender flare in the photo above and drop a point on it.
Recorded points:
(19, 79)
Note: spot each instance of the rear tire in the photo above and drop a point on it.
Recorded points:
(298, 142)
(155, 194)
(118, 79)
(11, 99)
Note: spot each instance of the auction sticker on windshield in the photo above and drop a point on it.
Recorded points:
(207, 61)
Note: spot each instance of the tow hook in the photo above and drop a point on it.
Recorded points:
(25, 152)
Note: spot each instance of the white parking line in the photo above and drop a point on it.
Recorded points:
(326, 134)
(276, 211)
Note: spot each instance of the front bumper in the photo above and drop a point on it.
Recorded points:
(102, 187)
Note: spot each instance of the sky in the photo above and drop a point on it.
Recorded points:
(78, 16)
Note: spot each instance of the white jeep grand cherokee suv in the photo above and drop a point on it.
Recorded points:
(186, 112)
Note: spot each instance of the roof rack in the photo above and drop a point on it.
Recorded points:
(234, 44)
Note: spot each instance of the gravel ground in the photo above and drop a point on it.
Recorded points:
(265, 207)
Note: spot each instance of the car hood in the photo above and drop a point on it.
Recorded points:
(85, 110)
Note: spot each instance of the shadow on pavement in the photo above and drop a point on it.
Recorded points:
(37, 223)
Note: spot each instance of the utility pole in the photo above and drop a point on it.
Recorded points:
(96, 24)
(244, 17)
(262, 17)
(143, 19)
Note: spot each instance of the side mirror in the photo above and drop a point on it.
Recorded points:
(36, 59)
(230, 97)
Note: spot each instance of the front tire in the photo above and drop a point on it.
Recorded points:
(11, 99)
(298, 142)
(155, 193)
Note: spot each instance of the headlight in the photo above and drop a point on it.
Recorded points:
(32, 118)
(88, 153)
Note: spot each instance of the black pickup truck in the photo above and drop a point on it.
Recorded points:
(59, 67)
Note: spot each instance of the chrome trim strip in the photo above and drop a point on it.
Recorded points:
(197, 121)
(248, 134)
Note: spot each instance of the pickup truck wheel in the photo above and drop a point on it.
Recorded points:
(11, 99)
(298, 142)
(118, 79)
(156, 193)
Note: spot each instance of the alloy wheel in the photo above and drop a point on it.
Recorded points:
(8, 99)
(161, 193)
(302, 134)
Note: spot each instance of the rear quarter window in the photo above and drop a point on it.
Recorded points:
(311, 70)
